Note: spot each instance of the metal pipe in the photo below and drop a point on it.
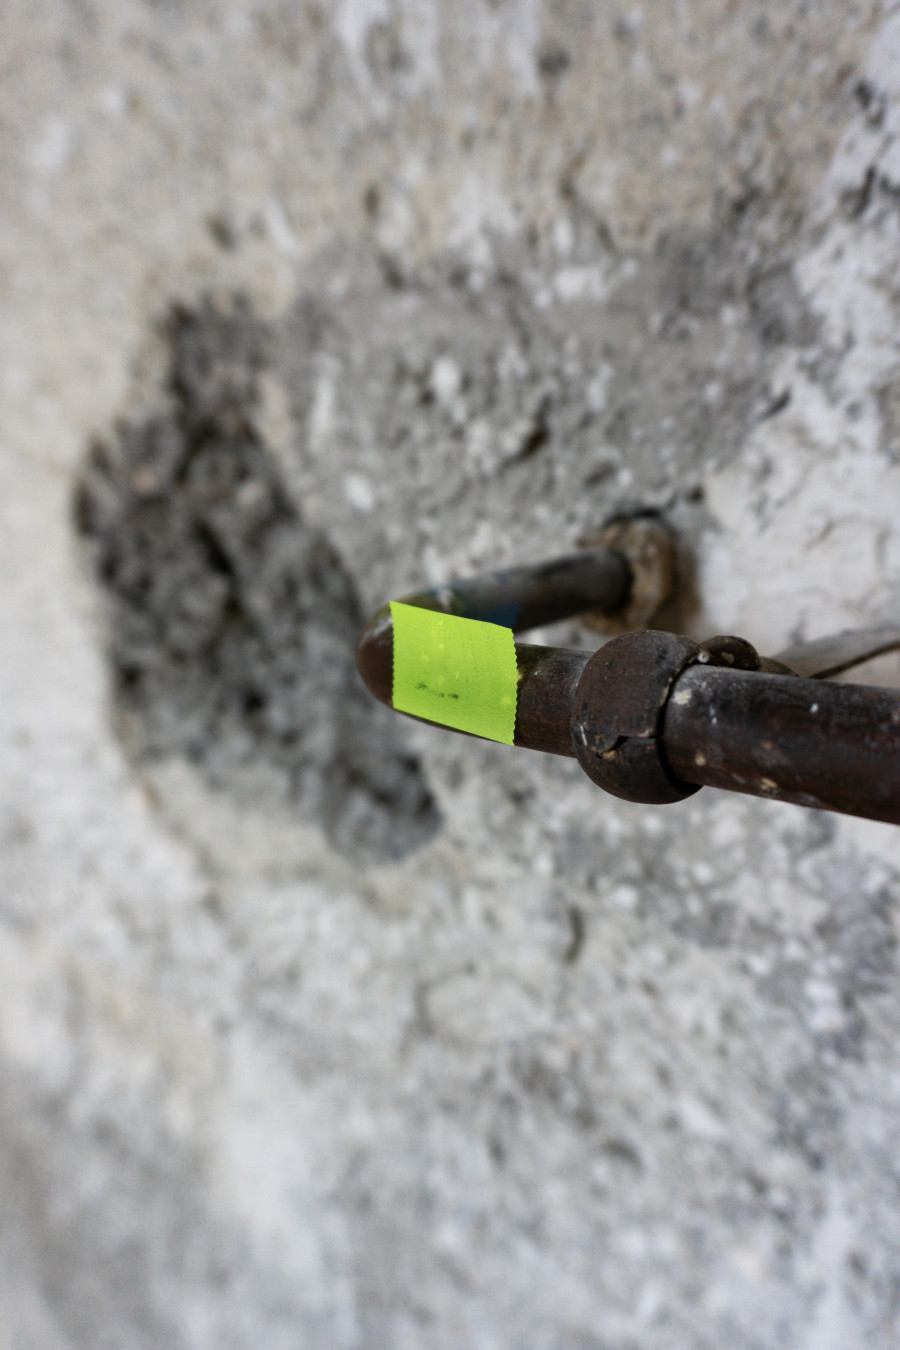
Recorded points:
(831, 746)
(518, 598)
(652, 716)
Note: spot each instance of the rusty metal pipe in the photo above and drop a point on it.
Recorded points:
(518, 598)
(652, 717)
(831, 746)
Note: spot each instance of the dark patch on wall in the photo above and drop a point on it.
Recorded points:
(889, 408)
(232, 623)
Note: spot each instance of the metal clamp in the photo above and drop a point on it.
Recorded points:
(617, 712)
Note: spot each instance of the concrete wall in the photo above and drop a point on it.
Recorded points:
(323, 1029)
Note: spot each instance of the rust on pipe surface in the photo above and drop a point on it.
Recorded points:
(831, 746)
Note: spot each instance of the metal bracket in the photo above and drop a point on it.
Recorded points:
(649, 546)
(831, 655)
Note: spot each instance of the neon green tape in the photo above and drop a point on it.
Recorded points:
(459, 672)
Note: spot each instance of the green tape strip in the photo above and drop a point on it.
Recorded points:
(461, 673)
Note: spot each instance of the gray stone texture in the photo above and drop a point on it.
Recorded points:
(321, 1028)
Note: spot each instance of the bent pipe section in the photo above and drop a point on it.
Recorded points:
(518, 598)
(652, 717)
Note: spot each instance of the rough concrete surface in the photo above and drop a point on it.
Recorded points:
(319, 1028)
